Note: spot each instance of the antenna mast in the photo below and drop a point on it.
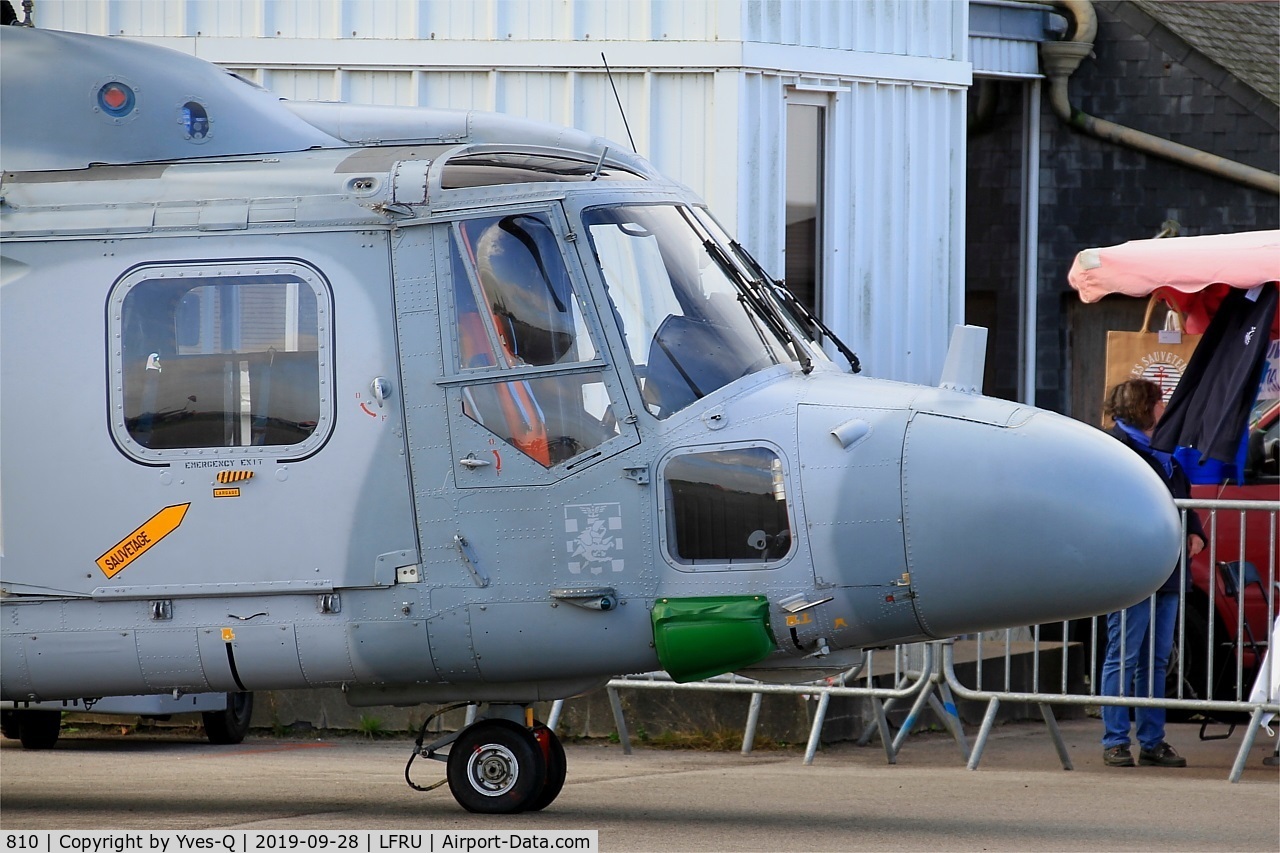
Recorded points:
(630, 138)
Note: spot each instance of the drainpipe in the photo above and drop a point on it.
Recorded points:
(1060, 59)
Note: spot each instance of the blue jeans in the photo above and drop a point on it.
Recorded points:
(1140, 671)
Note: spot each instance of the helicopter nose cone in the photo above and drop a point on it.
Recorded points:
(1040, 521)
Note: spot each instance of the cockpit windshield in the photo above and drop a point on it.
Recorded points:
(692, 318)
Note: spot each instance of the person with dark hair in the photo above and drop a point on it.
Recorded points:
(1130, 667)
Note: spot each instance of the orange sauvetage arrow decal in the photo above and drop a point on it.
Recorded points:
(140, 541)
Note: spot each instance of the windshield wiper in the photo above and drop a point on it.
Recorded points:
(798, 308)
(763, 308)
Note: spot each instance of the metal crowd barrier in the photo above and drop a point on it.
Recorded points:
(1188, 695)
(910, 679)
(925, 673)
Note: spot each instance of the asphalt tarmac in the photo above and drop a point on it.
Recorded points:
(1020, 798)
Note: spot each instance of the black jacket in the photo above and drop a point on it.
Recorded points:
(1210, 406)
(1179, 486)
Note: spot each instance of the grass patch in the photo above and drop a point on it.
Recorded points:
(371, 727)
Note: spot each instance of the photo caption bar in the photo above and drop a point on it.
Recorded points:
(355, 841)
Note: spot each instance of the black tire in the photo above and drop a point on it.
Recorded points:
(557, 767)
(39, 729)
(9, 724)
(496, 767)
(230, 725)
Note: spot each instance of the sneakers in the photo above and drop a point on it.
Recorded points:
(1162, 755)
(1118, 756)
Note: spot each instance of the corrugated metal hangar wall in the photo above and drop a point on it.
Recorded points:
(705, 85)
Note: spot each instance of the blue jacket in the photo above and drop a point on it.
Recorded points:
(1179, 486)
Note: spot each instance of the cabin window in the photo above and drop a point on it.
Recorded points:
(217, 360)
(726, 506)
(517, 317)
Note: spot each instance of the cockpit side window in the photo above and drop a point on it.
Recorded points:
(517, 314)
(525, 287)
(219, 360)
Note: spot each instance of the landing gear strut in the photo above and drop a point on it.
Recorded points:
(500, 764)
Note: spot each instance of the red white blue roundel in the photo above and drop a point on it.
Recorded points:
(116, 99)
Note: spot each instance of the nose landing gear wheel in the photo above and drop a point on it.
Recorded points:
(229, 726)
(553, 753)
(496, 767)
(38, 729)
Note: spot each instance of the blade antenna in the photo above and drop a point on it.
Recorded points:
(630, 138)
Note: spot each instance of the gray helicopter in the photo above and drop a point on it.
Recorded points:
(453, 407)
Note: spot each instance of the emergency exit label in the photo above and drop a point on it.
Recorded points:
(141, 540)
